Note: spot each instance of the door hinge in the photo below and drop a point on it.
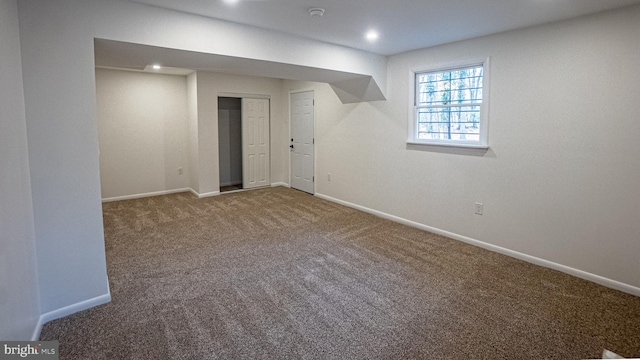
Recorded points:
(313, 179)
(313, 141)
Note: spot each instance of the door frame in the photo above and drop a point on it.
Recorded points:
(297, 91)
(248, 96)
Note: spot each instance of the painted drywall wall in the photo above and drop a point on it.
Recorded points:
(143, 132)
(57, 38)
(147, 129)
(560, 180)
(192, 121)
(212, 85)
(60, 104)
(19, 308)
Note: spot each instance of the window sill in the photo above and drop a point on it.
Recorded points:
(452, 148)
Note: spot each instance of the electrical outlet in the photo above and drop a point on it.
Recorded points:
(478, 208)
(179, 171)
(329, 177)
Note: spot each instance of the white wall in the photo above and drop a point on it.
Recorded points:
(560, 181)
(19, 308)
(192, 120)
(143, 132)
(60, 103)
(212, 85)
(147, 129)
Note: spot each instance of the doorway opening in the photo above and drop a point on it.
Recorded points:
(243, 143)
(230, 143)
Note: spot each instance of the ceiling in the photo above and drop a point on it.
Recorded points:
(110, 54)
(137, 57)
(403, 25)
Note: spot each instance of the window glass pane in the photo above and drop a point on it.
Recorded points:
(449, 104)
(449, 122)
(455, 86)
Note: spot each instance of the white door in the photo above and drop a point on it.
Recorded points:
(255, 143)
(302, 142)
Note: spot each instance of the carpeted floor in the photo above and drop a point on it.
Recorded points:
(279, 274)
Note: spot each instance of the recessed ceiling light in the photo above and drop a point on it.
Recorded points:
(316, 12)
(371, 35)
(156, 67)
(231, 2)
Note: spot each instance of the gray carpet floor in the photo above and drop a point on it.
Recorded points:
(279, 274)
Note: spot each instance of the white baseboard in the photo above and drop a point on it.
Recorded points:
(68, 310)
(613, 284)
(36, 332)
(144, 195)
(204, 195)
(280, 184)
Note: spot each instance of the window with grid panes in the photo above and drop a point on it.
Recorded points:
(448, 107)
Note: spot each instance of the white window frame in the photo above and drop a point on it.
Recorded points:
(482, 143)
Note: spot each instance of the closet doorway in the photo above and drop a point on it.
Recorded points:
(243, 143)
(230, 143)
